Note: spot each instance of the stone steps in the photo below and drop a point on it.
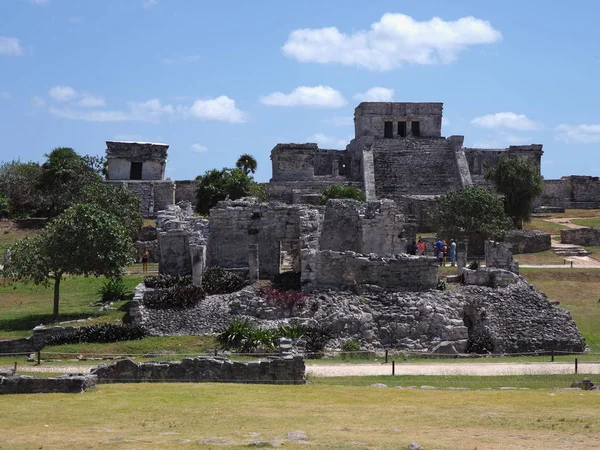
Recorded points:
(570, 250)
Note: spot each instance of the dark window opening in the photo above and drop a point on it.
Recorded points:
(388, 130)
(416, 129)
(136, 171)
(402, 129)
(345, 167)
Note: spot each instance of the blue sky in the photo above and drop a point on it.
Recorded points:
(218, 79)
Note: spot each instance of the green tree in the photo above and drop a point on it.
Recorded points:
(470, 211)
(247, 163)
(341, 191)
(520, 182)
(216, 185)
(81, 241)
(19, 185)
(63, 177)
(115, 199)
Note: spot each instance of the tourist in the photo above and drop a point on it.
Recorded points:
(444, 251)
(145, 257)
(439, 249)
(412, 248)
(421, 246)
(452, 252)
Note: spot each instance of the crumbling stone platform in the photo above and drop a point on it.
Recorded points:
(13, 383)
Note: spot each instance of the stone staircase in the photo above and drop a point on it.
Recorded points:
(570, 250)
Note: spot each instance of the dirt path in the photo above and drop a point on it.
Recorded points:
(340, 370)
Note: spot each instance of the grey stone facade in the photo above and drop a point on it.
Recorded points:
(498, 255)
(13, 383)
(275, 370)
(528, 241)
(136, 160)
(575, 192)
(397, 153)
(581, 236)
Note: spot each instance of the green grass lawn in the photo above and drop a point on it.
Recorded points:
(592, 223)
(234, 416)
(24, 306)
(543, 225)
(539, 258)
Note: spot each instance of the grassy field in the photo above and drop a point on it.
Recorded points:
(592, 223)
(24, 306)
(165, 416)
(543, 225)
(539, 258)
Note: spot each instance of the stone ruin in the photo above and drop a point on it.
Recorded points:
(13, 383)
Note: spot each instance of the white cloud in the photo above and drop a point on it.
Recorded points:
(10, 46)
(150, 3)
(375, 94)
(221, 108)
(75, 19)
(148, 111)
(91, 101)
(578, 134)
(506, 120)
(325, 141)
(199, 148)
(318, 96)
(395, 40)
(39, 2)
(187, 59)
(5, 96)
(38, 102)
(339, 121)
(62, 93)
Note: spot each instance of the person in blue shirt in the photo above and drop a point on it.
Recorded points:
(439, 250)
(452, 249)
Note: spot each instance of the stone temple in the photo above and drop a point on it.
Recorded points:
(397, 153)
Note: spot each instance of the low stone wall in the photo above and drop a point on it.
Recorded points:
(33, 343)
(12, 383)
(528, 241)
(277, 370)
(499, 255)
(489, 277)
(327, 269)
(581, 236)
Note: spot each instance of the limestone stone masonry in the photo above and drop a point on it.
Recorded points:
(275, 370)
(528, 241)
(581, 236)
(513, 318)
(13, 383)
(574, 192)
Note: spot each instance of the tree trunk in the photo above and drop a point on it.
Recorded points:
(57, 278)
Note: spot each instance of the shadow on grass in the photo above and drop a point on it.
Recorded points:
(28, 322)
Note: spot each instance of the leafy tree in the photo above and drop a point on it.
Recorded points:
(216, 185)
(19, 185)
(4, 207)
(247, 163)
(470, 211)
(63, 177)
(115, 199)
(520, 182)
(97, 163)
(341, 191)
(81, 241)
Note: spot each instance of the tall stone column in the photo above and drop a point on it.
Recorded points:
(461, 253)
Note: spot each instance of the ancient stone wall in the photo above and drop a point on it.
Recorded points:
(422, 166)
(581, 236)
(334, 270)
(185, 191)
(528, 241)
(499, 255)
(370, 118)
(374, 227)
(275, 370)
(154, 195)
(121, 155)
(13, 383)
(573, 192)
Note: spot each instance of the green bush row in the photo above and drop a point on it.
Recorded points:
(100, 333)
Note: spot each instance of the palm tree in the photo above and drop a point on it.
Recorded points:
(247, 163)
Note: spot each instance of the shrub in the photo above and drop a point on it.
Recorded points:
(340, 191)
(177, 297)
(316, 339)
(351, 349)
(112, 290)
(167, 281)
(287, 281)
(4, 207)
(291, 331)
(283, 299)
(100, 333)
(238, 335)
(217, 280)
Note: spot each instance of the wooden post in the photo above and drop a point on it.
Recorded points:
(386, 355)
(575, 366)
(393, 367)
